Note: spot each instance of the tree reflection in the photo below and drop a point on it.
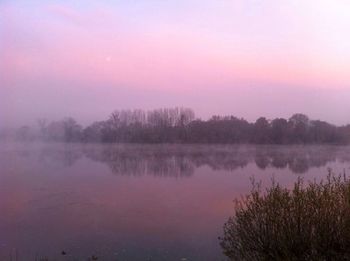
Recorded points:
(297, 159)
(168, 161)
(64, 156)
(183, 160)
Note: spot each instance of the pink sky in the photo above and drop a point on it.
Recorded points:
(246, 58)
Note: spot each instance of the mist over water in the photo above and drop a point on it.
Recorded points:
(127, 128)
(132, 202)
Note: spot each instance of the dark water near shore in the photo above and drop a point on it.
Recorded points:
(137, 202)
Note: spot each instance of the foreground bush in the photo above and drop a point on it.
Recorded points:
(309, 222)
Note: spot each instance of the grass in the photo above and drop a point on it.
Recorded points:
(308, 222)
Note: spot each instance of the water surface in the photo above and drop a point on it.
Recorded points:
(137, 202)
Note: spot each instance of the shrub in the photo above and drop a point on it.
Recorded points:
(308, 222)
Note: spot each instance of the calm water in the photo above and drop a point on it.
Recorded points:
(137, 202)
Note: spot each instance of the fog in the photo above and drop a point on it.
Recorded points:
(241, 58)
(127, 128)
(26, 103)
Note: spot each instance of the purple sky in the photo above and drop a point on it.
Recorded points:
(247, 58)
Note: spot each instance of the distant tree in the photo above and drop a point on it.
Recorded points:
(299, 126)
(67, 130)
(261, 131)
(185, 116)
(279, 131)
(43, 124)
(72, 130)
(107, 131)
(322, 132)
(343, 134)
(24, 134)
(93, 132)
(178, 125)
(55, 131)
(298, 118)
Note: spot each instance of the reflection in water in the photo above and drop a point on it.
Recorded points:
(182, 160)
(56, 197)
(65, 156)
(136, 162)
(297, 159)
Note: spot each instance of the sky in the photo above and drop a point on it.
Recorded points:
(247, 58)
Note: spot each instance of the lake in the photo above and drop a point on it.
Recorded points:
(138, 202)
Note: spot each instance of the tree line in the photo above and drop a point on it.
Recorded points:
(179, 125)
